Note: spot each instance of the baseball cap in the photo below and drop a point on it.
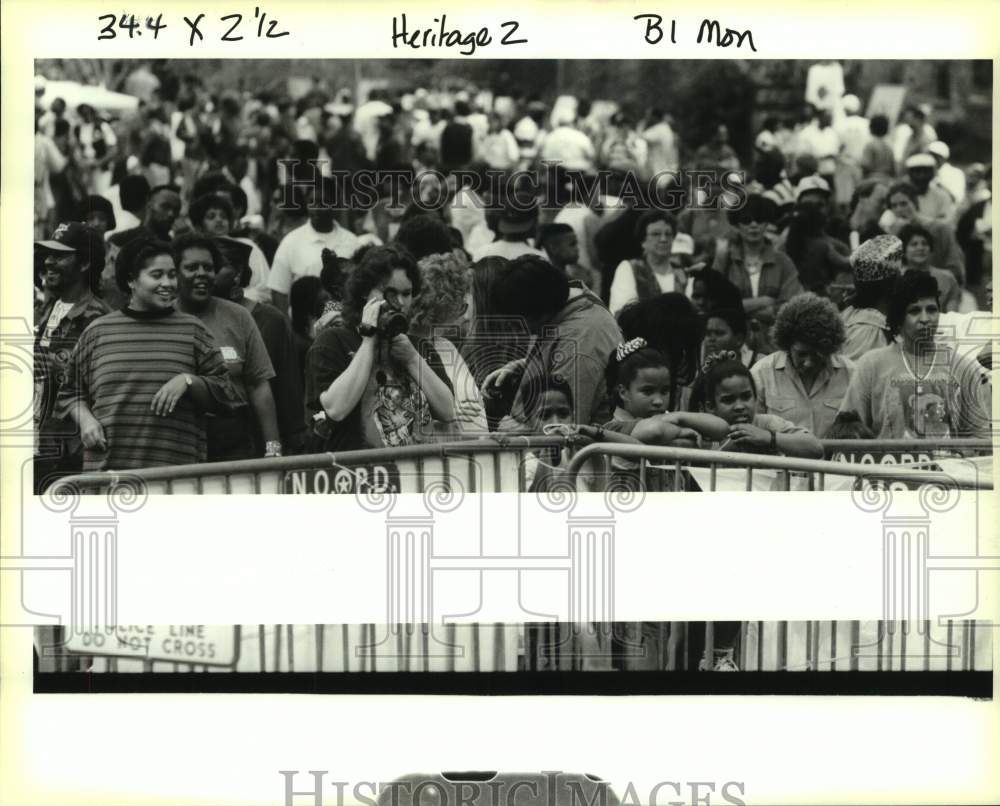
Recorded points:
(765, 141)
(77, 237)
(879, 258)
(920, 161)
(811, 183)
(940, 148)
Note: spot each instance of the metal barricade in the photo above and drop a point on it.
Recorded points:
(498, 465)
(485, 465)
(903, 451)
(716, 470)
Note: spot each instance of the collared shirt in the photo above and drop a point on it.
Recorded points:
(300, 254)
(864, 330)
(780, 391)
(778, 276)
(54, 345)
(937, 204)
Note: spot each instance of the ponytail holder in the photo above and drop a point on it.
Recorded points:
(718, 358)
(627, 348)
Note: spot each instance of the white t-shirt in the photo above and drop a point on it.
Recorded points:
(300, 254)
(952, 179)
(570, 147)
(662, 152)
(59, 311)
(854, 134)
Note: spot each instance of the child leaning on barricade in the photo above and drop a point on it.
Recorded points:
(545, 470)
(638, 380)
(726, 389)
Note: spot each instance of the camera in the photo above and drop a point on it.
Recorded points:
(392, 322)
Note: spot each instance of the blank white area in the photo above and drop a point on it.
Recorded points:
(316, 559)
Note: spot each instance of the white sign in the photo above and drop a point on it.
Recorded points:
(179, 643)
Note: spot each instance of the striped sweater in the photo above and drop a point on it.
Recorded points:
(119, 364)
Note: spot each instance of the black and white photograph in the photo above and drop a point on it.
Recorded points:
(380, 277)
(552, 266)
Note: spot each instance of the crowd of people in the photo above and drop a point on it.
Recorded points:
(241, 275)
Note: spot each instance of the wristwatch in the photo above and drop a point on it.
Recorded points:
(188, 379)
(366, 331)
(774, 440)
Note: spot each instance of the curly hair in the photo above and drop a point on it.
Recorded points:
(195, 240)
(445, 280)
(812, 320)
(375, 266)
(670, 324)
(424, 235)
(212, 201)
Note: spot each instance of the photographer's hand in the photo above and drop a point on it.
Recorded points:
(401, 350)
(370, 313)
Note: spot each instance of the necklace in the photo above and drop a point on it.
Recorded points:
(911, 371)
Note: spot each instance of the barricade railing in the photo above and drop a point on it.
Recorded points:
(946, 645)
(903, 451)
(710, 471)
(497, 464)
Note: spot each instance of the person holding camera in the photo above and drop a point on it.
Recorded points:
(366, 382)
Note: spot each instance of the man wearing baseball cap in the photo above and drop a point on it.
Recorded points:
(817, 256)
(934, 201)
(70, 265)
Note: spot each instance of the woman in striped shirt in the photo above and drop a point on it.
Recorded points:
(143, 376)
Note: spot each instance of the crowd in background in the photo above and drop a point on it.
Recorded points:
(202, 297)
